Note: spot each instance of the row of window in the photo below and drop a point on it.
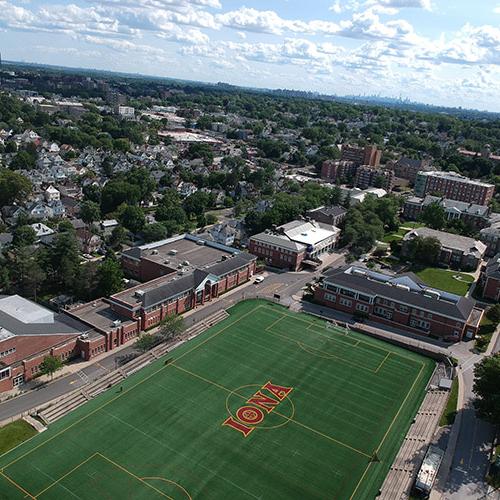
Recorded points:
(97, 350)
(262, 246)
(7, 352)
(5, 373)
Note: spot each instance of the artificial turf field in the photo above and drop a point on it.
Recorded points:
(334, 435)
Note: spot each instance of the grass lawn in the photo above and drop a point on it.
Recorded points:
(412, 225)
(195, 427)
(444, 280)
(450, 412)
(15, 433)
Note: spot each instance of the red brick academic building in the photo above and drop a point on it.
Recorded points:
(402, 301)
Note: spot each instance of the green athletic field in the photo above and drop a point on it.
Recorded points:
(334, 436)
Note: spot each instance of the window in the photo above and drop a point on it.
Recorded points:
(347, 293)
(7, 352)
(362, 307)
(364, 298)
(345, 302)
(384, 313)
(420, 324)
(5, 373)
(330, 297)
(403, 309)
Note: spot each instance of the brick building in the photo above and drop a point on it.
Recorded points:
(368, 155)
(374, 177)
(475, 215)
(490, 279)
(457, 251)
(333, 215)
(407, 168)
(28, 333)
(454, 187)
(402, 301)
(338, 171)
(292, 245)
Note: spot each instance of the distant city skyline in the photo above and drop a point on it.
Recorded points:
(432, 51)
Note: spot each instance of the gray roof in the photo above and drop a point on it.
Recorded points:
(278, 240)
(493, 267)
(193, 280)
(332, 211)
(62, 325)
(383, 285)
(449, 240)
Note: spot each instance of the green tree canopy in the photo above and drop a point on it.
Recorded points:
(487, 389)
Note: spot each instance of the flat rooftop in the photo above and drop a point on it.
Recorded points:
(182, 253)
(98, 314)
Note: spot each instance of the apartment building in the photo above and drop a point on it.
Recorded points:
(454, 187)
(402, 301)
(374, 177)
(368, 155)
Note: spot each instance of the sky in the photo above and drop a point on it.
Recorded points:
(444, 52)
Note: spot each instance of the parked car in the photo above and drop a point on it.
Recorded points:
(259, 279)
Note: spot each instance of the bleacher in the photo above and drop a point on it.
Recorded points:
(403, 471)
(62, 406)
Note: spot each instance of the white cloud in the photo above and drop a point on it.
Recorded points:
(400, 4)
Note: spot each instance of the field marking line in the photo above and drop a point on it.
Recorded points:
(124, 469)
(181, 454)
(169, 481)
(268, 328)
(340, 333)
(326, 355)
(383, 361)
(275, 412)
(125, 391)
(388, 430)
(65, 475)
(19, 487)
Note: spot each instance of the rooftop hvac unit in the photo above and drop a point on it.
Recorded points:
(154, 252)
(433, 294)
(84, 336)
(185, 263)
(200, 242)
(172, 252)
(139, 294)
(117, 322)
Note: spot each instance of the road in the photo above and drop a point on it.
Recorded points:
(285, 284)
(471, 457)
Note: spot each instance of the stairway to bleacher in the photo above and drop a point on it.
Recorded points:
(62, 406)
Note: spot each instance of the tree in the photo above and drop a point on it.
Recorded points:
(493, 313)
(90, 212)
(109, 277)
(117, 237)
(154, 232)
(423, 250)
(65, 260)
(132, 217)
(487, 389)
(23, 236)
(171, 326)
(50, 365)
(23, 161)
(434, 216)
(13, 187)
(146, 342)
